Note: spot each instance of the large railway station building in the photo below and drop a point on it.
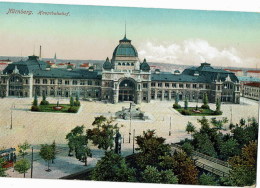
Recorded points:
(122, 78)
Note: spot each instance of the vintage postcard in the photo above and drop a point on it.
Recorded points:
(124, 94)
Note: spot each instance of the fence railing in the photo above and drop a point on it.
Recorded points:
(211, 169)
(212, 159)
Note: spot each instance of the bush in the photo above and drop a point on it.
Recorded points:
(44, 102)
(185, 112)
(217, 112)
(76, 103)
(35, 108)
(176, 106)
(73, 109)
(205, 106)
(188, 148)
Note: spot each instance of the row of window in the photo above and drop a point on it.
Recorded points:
(67, 82)
(125, 64)
(179, 85)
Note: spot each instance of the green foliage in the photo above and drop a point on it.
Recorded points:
(218, 106)
(47, 153)
(112, 167)
(242, 122)
(22, 148)
(218, 124)
(152, 175)
(186, 104)
(229, 148)
(207, 179)
(186, 112)
(190, 128)
(176, 106)
(205, 101)
(2, 169)
(22, 166)
(243, 166)
(35, 108)
(205, 145)
(35, 101)
(185, 169)
(188, 148)
(151, 149)
(71, 101)
(73, 109)
(102, 135)
(44, 101)
(78, 142)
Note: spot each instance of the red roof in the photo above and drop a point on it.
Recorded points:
(5, 60)
(253, 84)
(254, 71)
(3, 64)
(84, 65)
(233, 70)
(61, 64)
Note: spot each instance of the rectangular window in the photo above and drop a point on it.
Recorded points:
(82, 82)
(201, 86)
(145, 85)
(174, 85)
(187, 85)
(159, 84)
(181, 85)
(167, 85)
(97, 83)
(44, 81)
(194, 85)
(37, 81)
(52, 81)
(59, 81)
(153, 84)
(74, 82)
(67, 82)
(207, 86)
(89, 82)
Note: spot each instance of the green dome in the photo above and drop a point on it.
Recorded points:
(144, 66)
(107, 64)
(125, 49)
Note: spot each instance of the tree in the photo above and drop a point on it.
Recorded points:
(243, 166)
(35, 101)
(229, 148)
(71, 101)
(188, 148)
(2, 169)
(190, 128)
(218, 124)
(185, 169)
(151, 149)
(242, 122)
(205, 101)
(22, 166)
(47, 153)
(78, 142)
(176, 103)
(152, 175)
(207, 179)
(186, 104)
(112, 167)
(102, 135)
(22, 148)
(44, 101)
(218, 105)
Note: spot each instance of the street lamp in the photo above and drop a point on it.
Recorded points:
(170, 132)
(130, 127)
(118, 141)
(134, 141)
(12, 107)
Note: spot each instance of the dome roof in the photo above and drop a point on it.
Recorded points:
(125, 49)
(144, 66)
(107, 64)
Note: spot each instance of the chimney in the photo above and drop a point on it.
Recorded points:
(40, 55)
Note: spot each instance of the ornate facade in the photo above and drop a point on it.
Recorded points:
(123, 78)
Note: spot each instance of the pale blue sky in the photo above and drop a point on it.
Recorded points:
(92, 32)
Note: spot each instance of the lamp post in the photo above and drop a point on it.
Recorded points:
(130, 127)
(11, 125)
(134, 141)
(118, 141)
(170, 132)
(32, 164)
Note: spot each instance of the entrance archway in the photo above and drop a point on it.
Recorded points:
(16, 86)
(126, 90)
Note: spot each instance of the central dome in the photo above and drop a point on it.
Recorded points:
(125, 49)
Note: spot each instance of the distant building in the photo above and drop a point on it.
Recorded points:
(253, 73)
(238, 72)
(252, 90)
(85, 65)
(123, 78)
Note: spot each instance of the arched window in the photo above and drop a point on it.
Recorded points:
(119, 63)
(128, 64)
(123, 64)
(132, 64)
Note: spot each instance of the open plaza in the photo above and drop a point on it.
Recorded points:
(43, 128)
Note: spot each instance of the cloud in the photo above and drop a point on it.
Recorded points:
(193, 51)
